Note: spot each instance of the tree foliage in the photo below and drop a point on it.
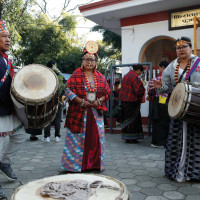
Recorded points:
(38, 37)
(13, 11)
(109, 37)
(43, 40)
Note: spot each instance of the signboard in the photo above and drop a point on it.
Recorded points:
(184, 18)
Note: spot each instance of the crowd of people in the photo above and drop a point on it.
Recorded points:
(87, 92)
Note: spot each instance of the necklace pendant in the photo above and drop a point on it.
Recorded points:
(91, 96)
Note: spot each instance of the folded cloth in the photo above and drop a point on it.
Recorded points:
(74, 190)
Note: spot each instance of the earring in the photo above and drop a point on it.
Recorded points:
(82, 67)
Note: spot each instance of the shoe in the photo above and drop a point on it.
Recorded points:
(7, 171)
(58, 139)
(2, 194)
(156, 146)
(46, 139)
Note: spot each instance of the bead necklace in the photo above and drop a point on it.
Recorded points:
(176, 71)
(88, 84)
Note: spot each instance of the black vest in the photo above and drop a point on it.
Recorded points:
(6, 104)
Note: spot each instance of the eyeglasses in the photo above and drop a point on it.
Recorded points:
(89, 60)
(183, 47)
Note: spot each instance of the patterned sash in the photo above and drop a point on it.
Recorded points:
(5, 75)
(193, 68)
(9, 69)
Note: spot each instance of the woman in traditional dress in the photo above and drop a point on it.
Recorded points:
(159, 113)
(87, 90)
(131, 94)
(183, 144)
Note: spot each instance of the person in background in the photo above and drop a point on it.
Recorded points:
(10, 125)
(131, 95)
(116, 90)
(87, 90)
(159, 113)
(183, 143)
(57, 121)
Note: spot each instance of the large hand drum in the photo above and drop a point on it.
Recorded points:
(34, 91)
(111, 189)
(184, 103)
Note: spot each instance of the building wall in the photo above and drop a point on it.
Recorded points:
(135, 38)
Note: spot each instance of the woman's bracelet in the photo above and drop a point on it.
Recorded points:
(99, 101)
(83, 101)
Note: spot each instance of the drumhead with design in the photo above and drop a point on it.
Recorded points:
(31, 190)
(34, 82)
(177, 101)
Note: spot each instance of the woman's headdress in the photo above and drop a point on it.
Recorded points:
(90, 51)
(182, 40)
(3, 27)
(91, 48)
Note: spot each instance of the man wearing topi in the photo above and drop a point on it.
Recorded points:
(10, 125)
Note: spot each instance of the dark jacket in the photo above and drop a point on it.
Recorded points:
(6, 105)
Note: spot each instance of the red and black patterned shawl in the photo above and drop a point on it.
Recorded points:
(75, 113)
(132, 88)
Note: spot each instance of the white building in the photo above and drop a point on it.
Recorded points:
(148, 28)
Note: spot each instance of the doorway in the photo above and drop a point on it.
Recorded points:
(158, 49)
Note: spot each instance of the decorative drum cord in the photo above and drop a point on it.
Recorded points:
(187, 69)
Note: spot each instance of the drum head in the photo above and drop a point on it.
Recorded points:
(31, 190)
(177, 101)
(34, 82)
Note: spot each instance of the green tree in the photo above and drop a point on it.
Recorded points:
(70, 60)
(109, 37)
(107, 56)
(43, 39)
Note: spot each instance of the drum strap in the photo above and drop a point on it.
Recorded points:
(179, 80)
(192, 69)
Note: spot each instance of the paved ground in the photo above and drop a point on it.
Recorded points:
(138, 166)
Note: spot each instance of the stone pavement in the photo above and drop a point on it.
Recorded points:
(138, 166)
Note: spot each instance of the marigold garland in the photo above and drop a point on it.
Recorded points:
(176, 71)
(88, 84)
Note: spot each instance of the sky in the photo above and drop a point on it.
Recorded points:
(83, 27)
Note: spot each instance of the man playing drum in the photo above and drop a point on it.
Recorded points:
(183, 144)
(10, 125)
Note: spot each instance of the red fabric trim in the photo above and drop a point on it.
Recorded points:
(12, 67)
(100, 4)
(92, 148)
(143, 19)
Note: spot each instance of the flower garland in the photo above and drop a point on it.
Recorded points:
(176, 71)
(88, 84)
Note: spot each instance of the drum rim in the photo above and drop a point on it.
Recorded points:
(27, 100)
(77, 174)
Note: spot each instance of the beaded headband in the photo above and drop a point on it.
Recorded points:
(180, 42)
(3, 27)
